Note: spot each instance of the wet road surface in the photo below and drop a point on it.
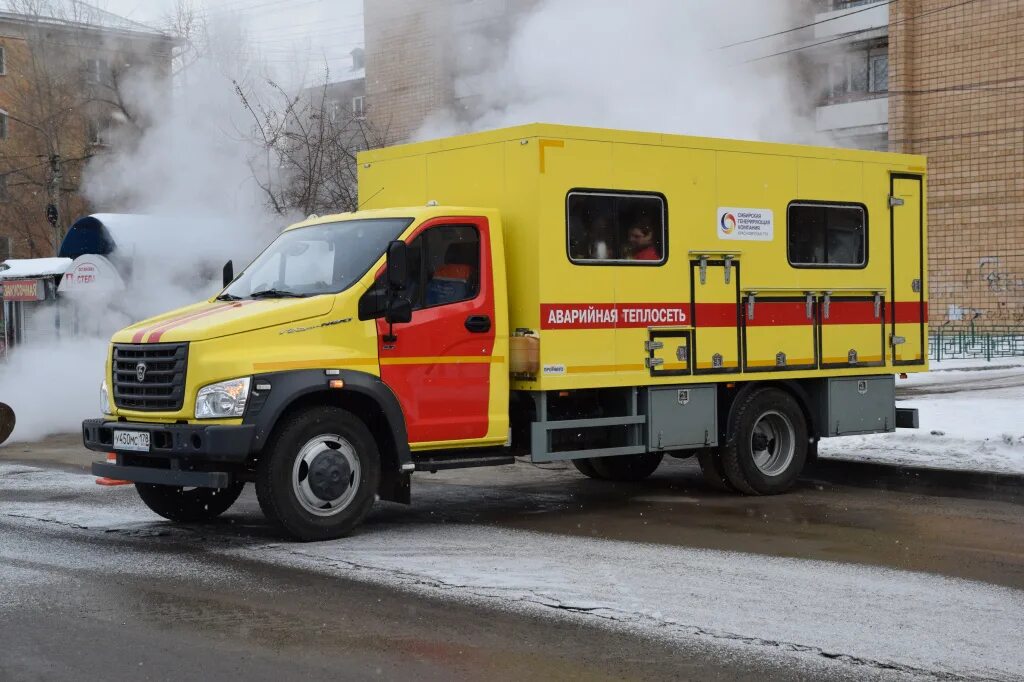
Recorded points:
(127, 595)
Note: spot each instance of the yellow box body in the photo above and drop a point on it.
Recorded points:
(527, 172)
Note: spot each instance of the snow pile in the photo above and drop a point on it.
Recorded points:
(970, 415)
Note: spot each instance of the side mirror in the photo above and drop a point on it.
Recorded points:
(399, 310)
(229, 273)
(398, 266)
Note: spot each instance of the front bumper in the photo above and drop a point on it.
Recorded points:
(211, 443)
(180, 454)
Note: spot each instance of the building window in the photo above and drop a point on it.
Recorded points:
(3, 188)
(3, 124)
(97, 72)
(359, 107)
(878, 73)
(827, 235)
(859, 74)
(94, 131)
(607, 228)
(333, 110)
(3, 61)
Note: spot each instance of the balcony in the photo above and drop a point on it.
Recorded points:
(866, 22)
(867, 115)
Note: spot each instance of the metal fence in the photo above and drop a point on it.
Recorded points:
(975, 342)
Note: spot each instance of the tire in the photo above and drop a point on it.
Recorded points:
(192, 505)
(319, 473)
(585, 465)
(626, 467)
(711, 468)
(766, 446)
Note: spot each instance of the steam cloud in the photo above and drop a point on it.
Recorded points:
(652, 65)
(189, 175)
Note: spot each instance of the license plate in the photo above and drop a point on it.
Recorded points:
(131, 440)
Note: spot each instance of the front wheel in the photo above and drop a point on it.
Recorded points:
(318, 475)
(188, 505)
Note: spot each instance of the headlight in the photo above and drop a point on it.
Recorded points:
(105, 399)
(223, 399)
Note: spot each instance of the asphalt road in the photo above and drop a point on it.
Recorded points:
(129, 596)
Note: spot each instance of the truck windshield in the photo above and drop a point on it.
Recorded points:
(320, 259)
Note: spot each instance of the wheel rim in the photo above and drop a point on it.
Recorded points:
(772, 443)
(326, 475)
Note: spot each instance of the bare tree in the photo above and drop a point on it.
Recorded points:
(305, 148)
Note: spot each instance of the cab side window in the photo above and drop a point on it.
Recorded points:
(445, 266)
(616, 228)
(827, 235)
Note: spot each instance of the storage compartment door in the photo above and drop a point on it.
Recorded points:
(681, 417)
(852, 331)
(778, 332)
(715, 318)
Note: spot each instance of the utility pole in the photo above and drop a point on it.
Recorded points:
(53, 199)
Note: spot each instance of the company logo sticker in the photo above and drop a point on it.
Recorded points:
(750, 224)
(728, 223)
(554, 370)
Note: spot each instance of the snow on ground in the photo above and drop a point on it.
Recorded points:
(822, 613)
(972, 418)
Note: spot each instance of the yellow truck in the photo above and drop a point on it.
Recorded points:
(558, 293)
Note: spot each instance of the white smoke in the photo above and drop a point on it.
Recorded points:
(188, 176)
(655, 65)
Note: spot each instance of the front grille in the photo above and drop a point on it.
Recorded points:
(163, 380)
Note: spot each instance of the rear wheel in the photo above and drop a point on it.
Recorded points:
(626, 467)
(767, 443)
(585, 465)
(188, 505)
(319, 475)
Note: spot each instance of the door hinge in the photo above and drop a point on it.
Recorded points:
(895, 201)
(728, 268)
(751, 297)
(809, 308)
(703, 269)
(897, 340)
(915, 286)
(653, 345)
(653, 362)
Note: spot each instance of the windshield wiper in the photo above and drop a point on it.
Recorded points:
(229, 297)
(276, 293)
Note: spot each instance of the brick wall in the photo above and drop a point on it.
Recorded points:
(957, 96)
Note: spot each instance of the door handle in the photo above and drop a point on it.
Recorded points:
(478, 324)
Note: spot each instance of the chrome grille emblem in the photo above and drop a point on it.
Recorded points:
(140, 372)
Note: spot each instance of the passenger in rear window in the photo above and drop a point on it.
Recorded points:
(641, 243)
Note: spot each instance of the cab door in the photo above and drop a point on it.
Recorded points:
(439, 363)
(908, 315)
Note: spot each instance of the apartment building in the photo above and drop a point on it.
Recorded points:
(61, 75)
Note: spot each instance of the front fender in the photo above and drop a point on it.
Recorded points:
(288, 388)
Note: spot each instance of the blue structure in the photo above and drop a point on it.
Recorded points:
(88, 235)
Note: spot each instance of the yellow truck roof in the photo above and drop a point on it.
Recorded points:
(544, 130)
